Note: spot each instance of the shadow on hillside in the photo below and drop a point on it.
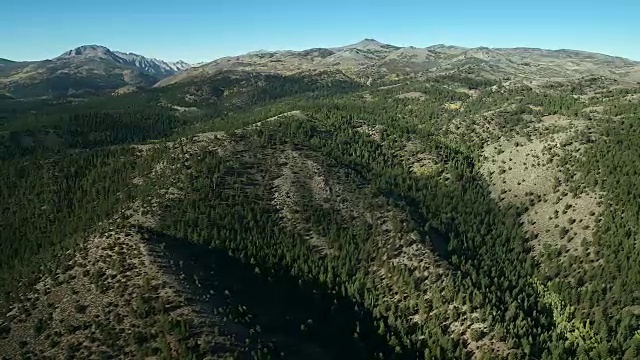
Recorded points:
(304, 319)
(438, 240)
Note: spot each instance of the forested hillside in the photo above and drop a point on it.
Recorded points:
(255, 216)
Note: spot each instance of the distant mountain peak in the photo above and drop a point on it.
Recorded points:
(150, 66)
(88, 51)
(368, 44)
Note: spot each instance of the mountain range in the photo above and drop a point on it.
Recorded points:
(88, 67)
(97, 68)
(370, 60)
(150, 66)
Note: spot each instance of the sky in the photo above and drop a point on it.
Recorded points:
(198, 31)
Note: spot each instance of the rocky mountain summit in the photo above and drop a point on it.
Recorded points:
(150, 66)
(85, 68)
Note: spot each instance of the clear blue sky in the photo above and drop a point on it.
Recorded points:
(203, 30)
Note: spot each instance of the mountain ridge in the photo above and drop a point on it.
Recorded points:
(151, 65)
(96, 67)
(84, 68)
(370, 58)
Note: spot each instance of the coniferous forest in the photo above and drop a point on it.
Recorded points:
(287, 217)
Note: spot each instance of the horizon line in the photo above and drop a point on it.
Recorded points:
(320, 47)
